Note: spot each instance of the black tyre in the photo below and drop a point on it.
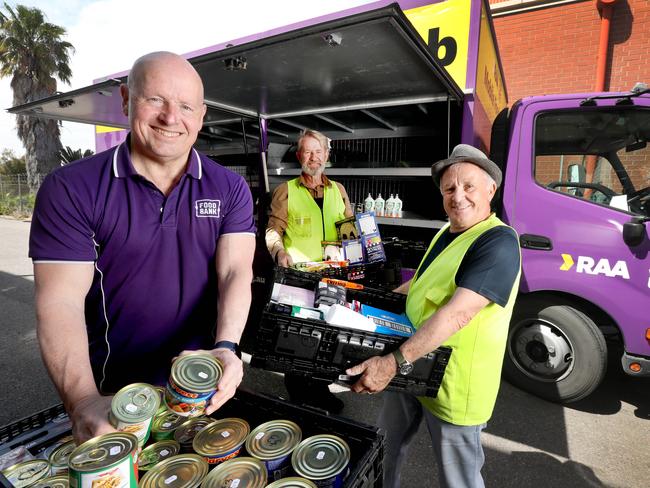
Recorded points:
(554, 351)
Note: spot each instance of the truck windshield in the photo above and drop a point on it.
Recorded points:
(600, 155)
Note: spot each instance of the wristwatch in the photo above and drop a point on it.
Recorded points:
(233, 346)
(403, 366)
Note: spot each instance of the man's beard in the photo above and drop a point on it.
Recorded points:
(313, 172)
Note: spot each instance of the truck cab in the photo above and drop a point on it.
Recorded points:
(576, 189)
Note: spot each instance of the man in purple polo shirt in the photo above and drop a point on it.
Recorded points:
(142, 252)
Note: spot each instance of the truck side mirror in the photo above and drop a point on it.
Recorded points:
(634, 231)
(576, 173)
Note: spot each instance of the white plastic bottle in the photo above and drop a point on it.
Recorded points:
(369, 204)
(397, 208)
(390, 205)
(379, 206)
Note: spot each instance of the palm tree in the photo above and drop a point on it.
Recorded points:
(68, 155)
(32, 53)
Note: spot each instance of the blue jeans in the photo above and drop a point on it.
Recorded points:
(457, 448)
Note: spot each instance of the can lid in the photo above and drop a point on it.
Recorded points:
(135, 403)
(243, 471)
(187, 431)
(221, 437)
(157, 452)
(292, 482)
(59, 481)
(273, 439)
(197, 372)
(166, 421)
(60, 455)
(180, 471)
(27, 473)
(102, 451)
(320, 457)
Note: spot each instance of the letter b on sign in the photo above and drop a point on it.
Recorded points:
(435, 43)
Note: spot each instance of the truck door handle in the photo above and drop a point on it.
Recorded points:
(532, 241)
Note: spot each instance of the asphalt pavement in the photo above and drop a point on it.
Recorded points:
(602, 441)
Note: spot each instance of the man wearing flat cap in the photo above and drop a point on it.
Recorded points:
(461, 296)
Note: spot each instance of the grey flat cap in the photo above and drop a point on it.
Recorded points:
(464, 153)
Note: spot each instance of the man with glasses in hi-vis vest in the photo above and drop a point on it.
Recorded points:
(303, 213)
(461, 296)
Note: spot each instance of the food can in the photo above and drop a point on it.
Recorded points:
(180, 471)
(292, 482)
(106, 461)
(27, 473)
(161, 392)
(243, 472)
(157, 452)
(59, 457)
(164, 425)
(272, 443)
(59, 442)
(192, 382)
(133, 408)
(323, 459)
(58, 481)
(221, 440)
(187, 431)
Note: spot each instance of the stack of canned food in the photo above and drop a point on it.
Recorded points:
(186, 444)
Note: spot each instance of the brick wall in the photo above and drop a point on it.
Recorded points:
(554, 49)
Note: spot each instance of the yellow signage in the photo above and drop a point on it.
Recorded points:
(568, 262)
(489, 83)
(101, 129)
(445, 28)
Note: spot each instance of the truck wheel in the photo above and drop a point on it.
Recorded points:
(554, 351)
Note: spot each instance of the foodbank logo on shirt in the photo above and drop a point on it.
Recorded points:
(208, 208)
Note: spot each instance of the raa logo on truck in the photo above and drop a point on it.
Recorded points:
(590, 266)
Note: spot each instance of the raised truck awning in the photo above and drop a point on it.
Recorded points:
(360, 75)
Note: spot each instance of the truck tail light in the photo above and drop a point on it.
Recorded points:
(635, 367)
(647, 334)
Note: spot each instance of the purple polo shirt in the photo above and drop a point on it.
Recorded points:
(154, 292)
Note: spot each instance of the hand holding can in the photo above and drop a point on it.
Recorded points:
(192, 383)
(90, 417)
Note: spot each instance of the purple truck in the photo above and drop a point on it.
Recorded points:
(395, 86)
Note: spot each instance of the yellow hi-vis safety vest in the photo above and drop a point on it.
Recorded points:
(471, 381)
(307, 226)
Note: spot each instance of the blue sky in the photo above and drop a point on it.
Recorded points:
(109, 35)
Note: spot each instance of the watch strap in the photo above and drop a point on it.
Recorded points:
(233, 346)
(399, 357)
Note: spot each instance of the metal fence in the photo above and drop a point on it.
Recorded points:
(16, 198)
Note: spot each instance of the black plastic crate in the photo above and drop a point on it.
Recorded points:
(35, 432)
(408, 253)
(318, 350)
(366, 442)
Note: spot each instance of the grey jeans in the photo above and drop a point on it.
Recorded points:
(457, 449)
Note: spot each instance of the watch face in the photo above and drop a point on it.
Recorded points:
(405, 369)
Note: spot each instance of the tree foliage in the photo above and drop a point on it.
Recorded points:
(33, 53)
(10, 164)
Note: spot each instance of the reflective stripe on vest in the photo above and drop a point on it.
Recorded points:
(471, 381)
(304, 233)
